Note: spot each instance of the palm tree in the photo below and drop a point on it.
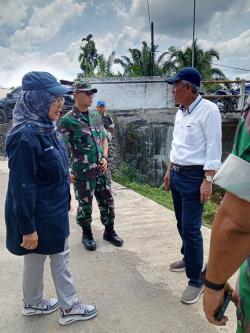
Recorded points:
(92, 63)
(88, 57)
(104, 66)
(139, 62)
(203, 60)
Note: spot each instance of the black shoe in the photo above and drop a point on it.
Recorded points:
(112, 237)
(88, 241)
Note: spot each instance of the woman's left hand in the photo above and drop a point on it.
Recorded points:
(103, 165)
(30, 241)
(72, 178)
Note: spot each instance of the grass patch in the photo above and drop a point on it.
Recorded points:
(128, 176)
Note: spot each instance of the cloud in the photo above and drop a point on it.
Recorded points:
(61, 64)
(13, 12)
(3, 36)
(45, 23)
(105, 44)
(122, 9)
(20, 62)
(234, 46)
(175, 17)
(240, 7)
(232, 54)
(129, 38)
(45, 34)
(66, 63)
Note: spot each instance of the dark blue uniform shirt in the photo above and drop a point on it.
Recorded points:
(38, 190)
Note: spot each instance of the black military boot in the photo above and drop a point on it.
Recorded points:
(87, 238)
(111, 236)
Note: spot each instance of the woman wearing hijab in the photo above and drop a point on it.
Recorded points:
(36, 208)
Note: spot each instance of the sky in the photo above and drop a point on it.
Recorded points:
(46, 34)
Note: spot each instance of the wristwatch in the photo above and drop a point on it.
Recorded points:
(209, 179)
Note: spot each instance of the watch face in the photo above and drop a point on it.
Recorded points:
(209, 178)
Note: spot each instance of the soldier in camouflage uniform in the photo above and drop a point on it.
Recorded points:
(109, 126)
(106, 119)
(86, 138)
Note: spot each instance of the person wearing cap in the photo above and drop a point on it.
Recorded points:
(86, 138)
(194, 158)
(107, 119)
(37, 199)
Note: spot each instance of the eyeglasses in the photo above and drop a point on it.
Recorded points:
(89, 93)
(59, 100)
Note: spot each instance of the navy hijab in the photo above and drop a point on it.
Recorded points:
(32, 107)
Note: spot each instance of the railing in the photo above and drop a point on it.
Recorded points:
(227, 100)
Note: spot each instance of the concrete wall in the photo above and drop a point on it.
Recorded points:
(145, 138)
(143, 109)
(133, 93)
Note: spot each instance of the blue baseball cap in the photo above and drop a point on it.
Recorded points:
(101, 103)
(44, 81)
(189, 74)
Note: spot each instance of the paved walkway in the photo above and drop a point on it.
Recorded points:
(132, 286)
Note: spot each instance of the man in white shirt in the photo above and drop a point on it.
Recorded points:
(194, 158)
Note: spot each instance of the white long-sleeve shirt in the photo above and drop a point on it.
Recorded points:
(197, 136)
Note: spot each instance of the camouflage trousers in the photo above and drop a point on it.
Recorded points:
(84, 192)
(243, 290)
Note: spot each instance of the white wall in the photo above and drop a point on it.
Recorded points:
(133, 93)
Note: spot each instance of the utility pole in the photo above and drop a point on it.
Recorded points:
(149, 20)
(152, 50)
(152, 55)
(193, 35)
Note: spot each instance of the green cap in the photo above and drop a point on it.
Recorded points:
(81, 85)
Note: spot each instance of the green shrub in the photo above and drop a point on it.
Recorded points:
(127, 175)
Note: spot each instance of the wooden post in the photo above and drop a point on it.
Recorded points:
(242, 95)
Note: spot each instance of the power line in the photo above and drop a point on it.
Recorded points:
(241, 69)
(193, 47)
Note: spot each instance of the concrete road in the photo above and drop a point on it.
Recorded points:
(132, 286)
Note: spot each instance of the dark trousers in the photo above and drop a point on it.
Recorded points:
(84, 192)
(185, 188)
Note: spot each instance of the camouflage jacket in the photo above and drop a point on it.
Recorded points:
(108, 122)
(83, 134)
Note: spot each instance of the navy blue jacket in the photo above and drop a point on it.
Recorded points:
(38, 190)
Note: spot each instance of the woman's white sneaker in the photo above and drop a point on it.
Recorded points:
(78, 312)
(48, 305)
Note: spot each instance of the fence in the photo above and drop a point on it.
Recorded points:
(227, 98)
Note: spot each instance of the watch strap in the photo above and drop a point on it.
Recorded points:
(209, 178)
(212, 285)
